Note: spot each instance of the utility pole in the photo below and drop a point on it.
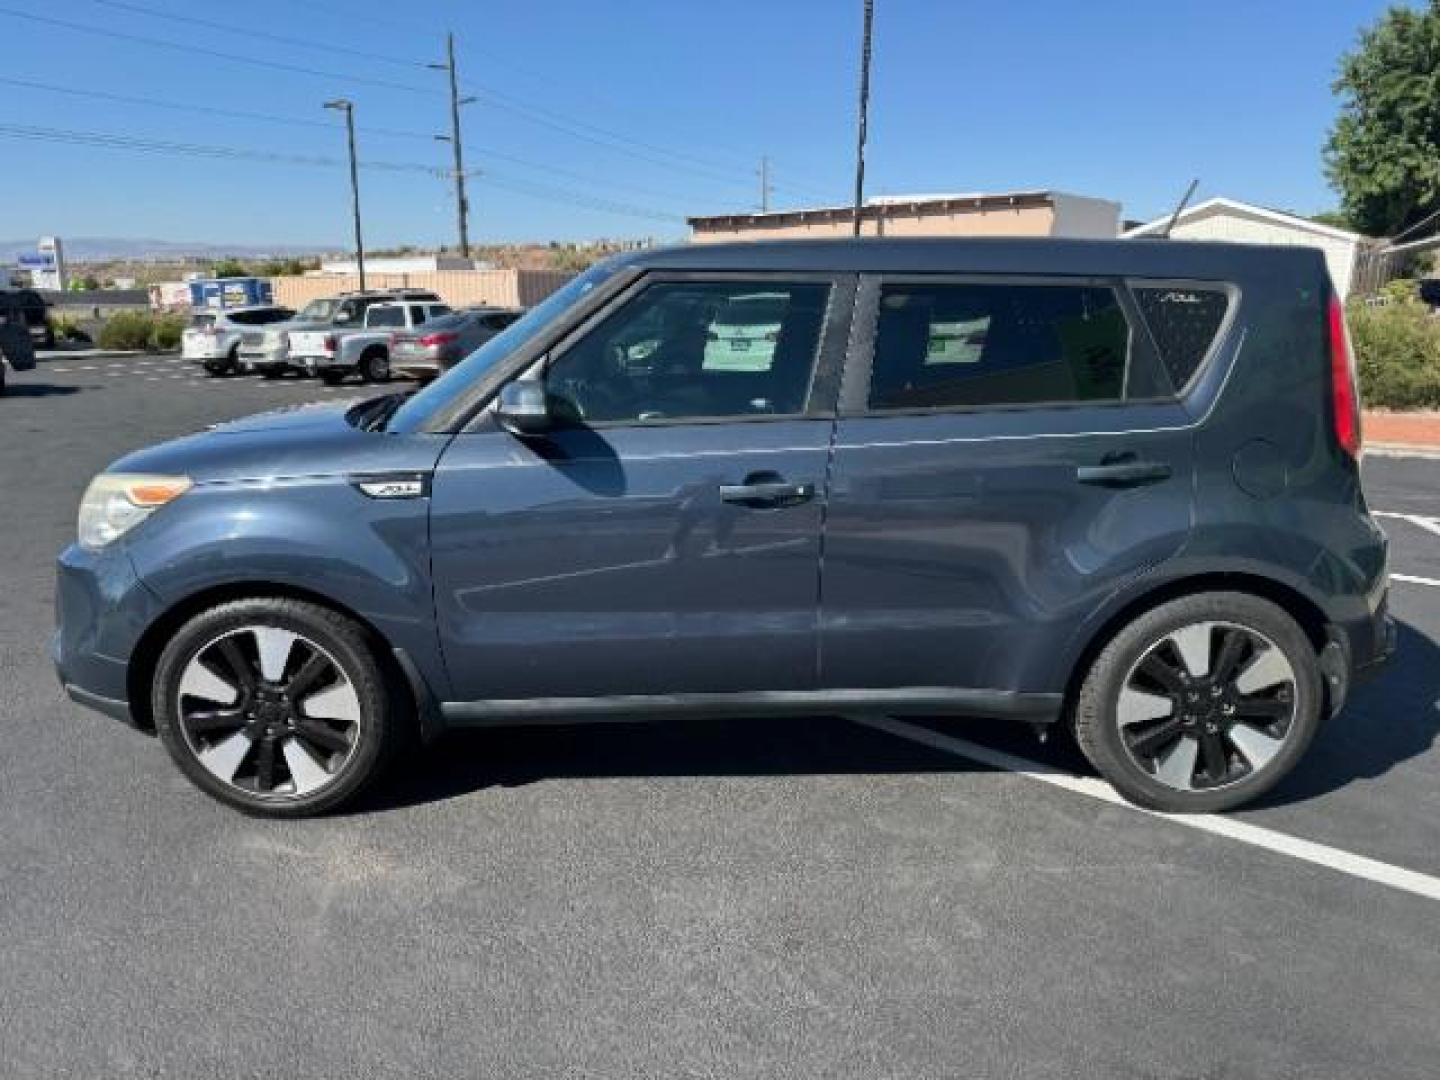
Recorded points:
(765, 186)
(348, 108)
(462, 205)
(863, 118)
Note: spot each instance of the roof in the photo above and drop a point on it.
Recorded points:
(1279, 217)
(888, 203)
(991, 255)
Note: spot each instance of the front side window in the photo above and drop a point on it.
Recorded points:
(691, 350)
(974, 346)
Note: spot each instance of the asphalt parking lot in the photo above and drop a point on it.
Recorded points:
(795, 898)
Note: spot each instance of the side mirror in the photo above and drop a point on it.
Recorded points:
(522, 409)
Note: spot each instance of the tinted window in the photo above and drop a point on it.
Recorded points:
(695, 350)
(972, 346)
(202, 321)
(260, 317)
(1184, 323)
(386, 316)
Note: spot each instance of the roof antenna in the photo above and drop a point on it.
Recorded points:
(1184, 201)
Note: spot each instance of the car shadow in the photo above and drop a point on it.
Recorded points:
(1388, 721)
(465, 761)
(30, 389)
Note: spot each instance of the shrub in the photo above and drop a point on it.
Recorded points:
(140, 330)
(1397, 354)
(166, 334)
(127, 330)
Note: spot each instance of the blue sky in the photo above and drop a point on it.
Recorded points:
(663, 107)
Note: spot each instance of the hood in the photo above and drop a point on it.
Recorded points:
(301, 440)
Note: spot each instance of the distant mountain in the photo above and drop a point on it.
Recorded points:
(105, 248)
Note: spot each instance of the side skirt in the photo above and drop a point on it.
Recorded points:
(1031, 708)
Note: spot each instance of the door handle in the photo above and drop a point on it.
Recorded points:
(1127, 471)
(766, 494)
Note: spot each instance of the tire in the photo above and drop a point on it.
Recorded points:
(375, 365)
(284, 673)
(1171, 739)
(332, 378)
(271, 372)
(214, 368)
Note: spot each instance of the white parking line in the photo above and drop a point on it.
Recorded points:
(1429, 524)
(1415, 579)
(1358, 866)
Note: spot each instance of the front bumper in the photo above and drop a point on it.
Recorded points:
(101, 610)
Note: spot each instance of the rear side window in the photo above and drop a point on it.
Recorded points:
(973, 346)
(386, 316)
(202, 321)
(1183, 321)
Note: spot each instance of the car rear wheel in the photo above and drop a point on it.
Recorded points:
(276, 707)
(375, 365)
(332, 378)
(1202, 703)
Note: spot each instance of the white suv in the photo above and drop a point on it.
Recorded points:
(213, 336)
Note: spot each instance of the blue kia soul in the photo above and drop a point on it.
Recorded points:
(1111, 485)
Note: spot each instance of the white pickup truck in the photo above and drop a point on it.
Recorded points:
(336, 352)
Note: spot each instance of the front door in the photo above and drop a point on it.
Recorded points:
(664, 537)
(1009, 453)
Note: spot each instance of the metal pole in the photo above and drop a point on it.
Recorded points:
(462, 206)
(765, 185)
(863, 118)
(355, 193)
(348, 108)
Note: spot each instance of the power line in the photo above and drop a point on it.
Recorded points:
(165, 147)
(117, 141)
(655, 155)
(192, 50)
(306, 122)
(264, 35)
(204, 110)
(535, 113)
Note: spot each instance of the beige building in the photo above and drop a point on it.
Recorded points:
(1016, 213)
(458, 288)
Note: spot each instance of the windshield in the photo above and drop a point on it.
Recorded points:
(318, 311)
(473, 368)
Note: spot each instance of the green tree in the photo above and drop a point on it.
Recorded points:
(1383, 155)
(230, 268)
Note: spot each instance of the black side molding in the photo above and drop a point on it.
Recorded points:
(1032, 708)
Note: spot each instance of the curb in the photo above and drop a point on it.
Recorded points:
(1402, 450)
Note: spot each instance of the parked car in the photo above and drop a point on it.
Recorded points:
(28, 309)
(1130, 504)
(17, 349)
(335, 355)
(213, 337)
(268, 351)
(436, 346)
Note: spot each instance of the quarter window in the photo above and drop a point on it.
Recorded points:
(683, 350)
(971, 346)
(1183, 321)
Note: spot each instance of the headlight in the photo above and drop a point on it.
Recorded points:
(115, 503)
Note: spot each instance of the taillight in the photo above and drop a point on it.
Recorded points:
(1344, 401)
(329, 342)
(430, 341)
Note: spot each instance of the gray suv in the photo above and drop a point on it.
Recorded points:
(1111, 486)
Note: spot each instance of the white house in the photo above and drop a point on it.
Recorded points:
(1238, 222)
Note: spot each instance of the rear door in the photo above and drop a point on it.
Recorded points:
(1009, 452)
(664, 538)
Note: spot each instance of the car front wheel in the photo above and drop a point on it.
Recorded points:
(274, 706)
(1202, 703)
